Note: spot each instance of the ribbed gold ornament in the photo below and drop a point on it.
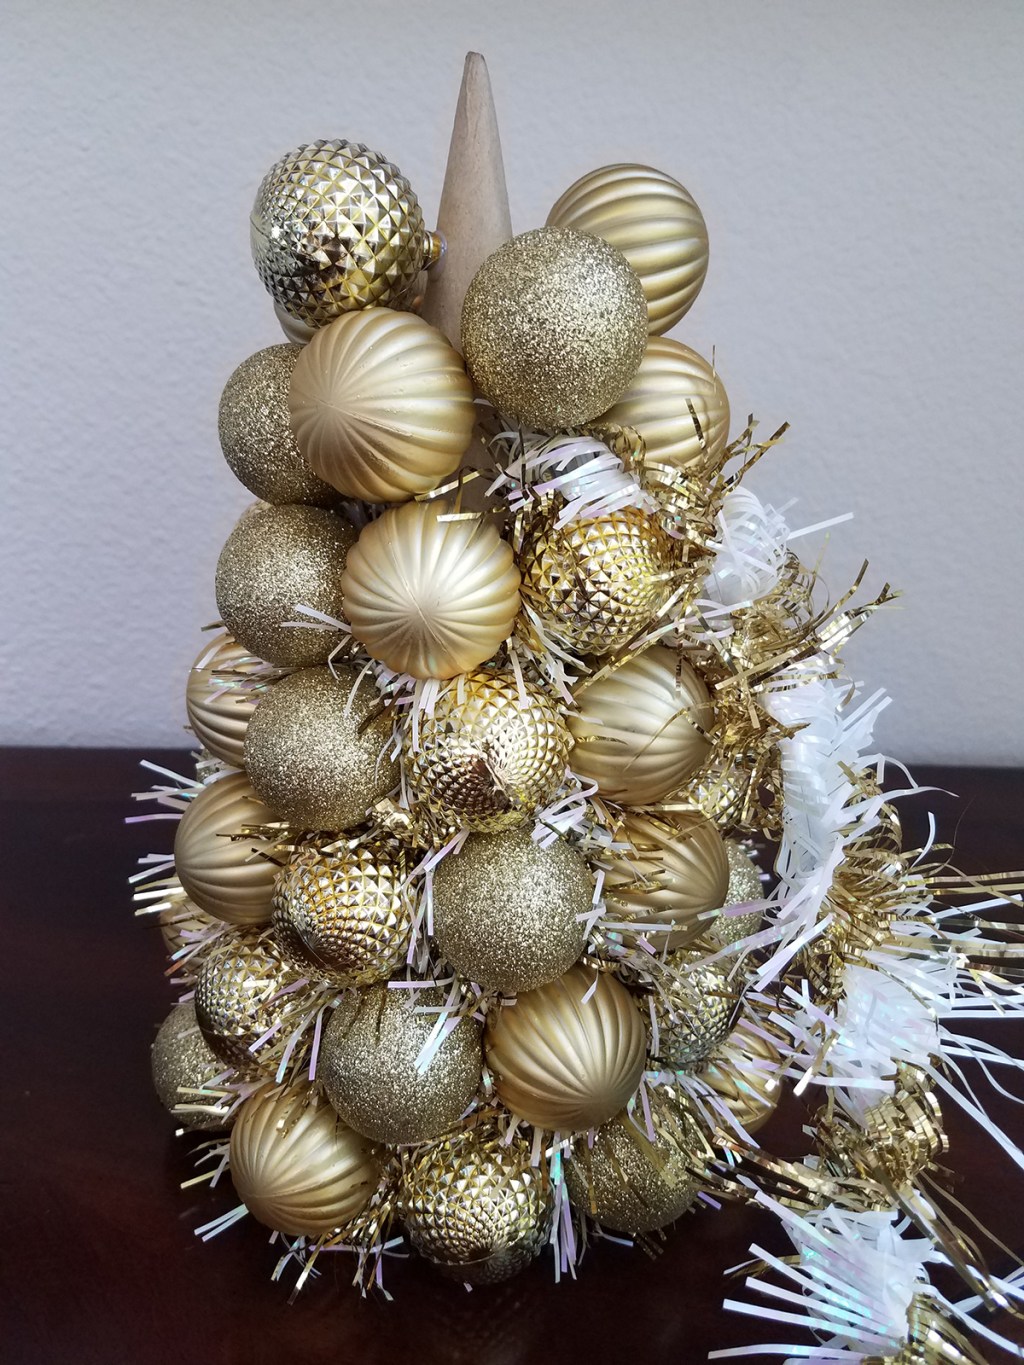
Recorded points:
(595, 583)
(227, 876)
(238, 997)
(475, 1207)
(744, 885)
(656, 225)
(296, 1166)
(184, 1068)
(224, 686)
(693, 1012)
(490, 752)
(335, 227)
(346, 915)
(745, 1072)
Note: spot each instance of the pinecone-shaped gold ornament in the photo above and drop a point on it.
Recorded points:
(693, 1014)
(238, 997)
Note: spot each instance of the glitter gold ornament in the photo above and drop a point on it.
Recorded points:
(226, 874)
(674, 871)
(568, 1055)
(224, 686)
(277, 559)
(639, 733)
(430, 596)
(315, 751)
(629, 1183)
(335, 227)
(594, 582)
(554, 325)
(490, 752)
(475, 1207)
(256, 434)
(744, 886)
(672, 379)
(346, 914)
(692, 1013)
(510, 914)
(184, 1070)
(368, 1065)
(381, 405)
(656, 225)
(238, 997)
(745, 1073)
(296, 1166)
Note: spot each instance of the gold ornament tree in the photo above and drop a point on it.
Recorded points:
(514, 682)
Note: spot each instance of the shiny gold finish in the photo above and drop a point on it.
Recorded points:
(239, 998)
(694, 1012)
(229, 877)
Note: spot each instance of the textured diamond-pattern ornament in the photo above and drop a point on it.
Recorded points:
(335, 227)
(238, 996)
(346, 915)
(693, 1014)
(490, 754)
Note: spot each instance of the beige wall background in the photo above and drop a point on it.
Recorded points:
(859, 166)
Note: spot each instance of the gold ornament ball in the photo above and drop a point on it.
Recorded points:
(336, 227)
(223, 872)
(693, 1012)
(744, 886)
(428, 596)
(475, 1207)
(568, 1055)
(315, 751)
(654, 222)
(381, 405)
(368, 1065)
(345, 915)
(657, 403)
(508, 914)
(554, 326)
(596, 582)
(275, 560)
(238, 997)
(182, 924)
(639, 732)
(490, 752)
(629, 1183)
(224, 686)
(295, 1166)
(256, 435)
(745, 1072)
(184, 1069)
(673, 872)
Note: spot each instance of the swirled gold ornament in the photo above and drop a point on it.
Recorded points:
(745, 1072)
(670, 380)
(368, 1065)
(629, 1183)
(595, 582)
(238, 997)
(225, 874)
(568, 1055)
(674, 871)
(347, 914)
(490, 752)
(335, 227)
(296, 1166)
(656, 225)
(744, 886)
(317, 753)
(553, 327)
(475, 1207)
(510, 914)
(184, 1069)
(430, 596)
(381, 405)
(639, 732)
(256, 434)
(275, 560)
(224, 686)
(693, 1013)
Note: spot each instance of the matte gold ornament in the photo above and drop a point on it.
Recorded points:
(745, 1072)
(429, 596)
(744, 886)
(184, 1070)
(238, 997)
(381, 405)
(657, 403)
(226, 874)
(674, 871)
(490, 752)
(639, 733)
(368, 1065)
(510, 914)
(629, 1183)
(275, 560)
(317, 753)
(224, 687)
(656, 225)
(256, 434)
(335, 227)
(693, 1013)
(296, 1166)
(568, 1055)
(346, 914)
(554, 325)
(475, 1207)
(597, 582)
(182, 923)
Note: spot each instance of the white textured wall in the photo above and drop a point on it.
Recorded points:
(859, 166)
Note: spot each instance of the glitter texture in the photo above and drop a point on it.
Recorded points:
(744, 885)
(630, 1184)
(507, 912)
(182, 1063)
(554, 327)
(693, 1011)
(368, 1065)
(236, 994)
(225, 876)
(221, 695)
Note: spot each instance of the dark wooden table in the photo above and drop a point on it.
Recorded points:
(100, 1263)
